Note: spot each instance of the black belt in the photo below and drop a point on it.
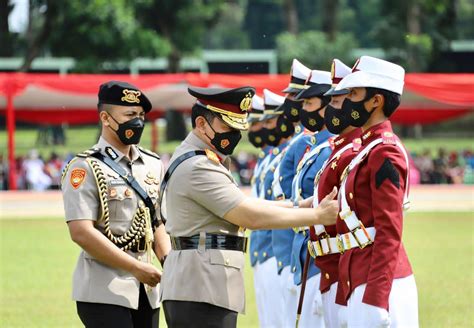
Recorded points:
(223, 242)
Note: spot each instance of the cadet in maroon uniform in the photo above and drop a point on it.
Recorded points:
(375, 276)
(323, 238)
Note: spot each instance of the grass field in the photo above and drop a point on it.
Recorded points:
(81, 138)
(37, 259)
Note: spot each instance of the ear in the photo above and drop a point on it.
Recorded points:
(378, 101)
(103, 118)
(200, 123)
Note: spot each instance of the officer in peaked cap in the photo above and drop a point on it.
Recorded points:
(206, 215)
(110, 195)
(324, 238)
(376, 278)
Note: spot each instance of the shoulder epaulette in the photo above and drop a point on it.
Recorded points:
(212, 156)
(88, 152)
(148, 152)
(388, 138)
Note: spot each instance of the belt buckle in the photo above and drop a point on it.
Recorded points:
(325, 236)
(361, 227)
(340, 245)
(311, 249)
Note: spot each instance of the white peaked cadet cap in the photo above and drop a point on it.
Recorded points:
(374, 73)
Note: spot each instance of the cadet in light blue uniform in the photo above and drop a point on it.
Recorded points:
(301, 141)
(312, 118)
(256, 134)
(273, 303)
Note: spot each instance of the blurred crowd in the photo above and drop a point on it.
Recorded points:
(37, 173)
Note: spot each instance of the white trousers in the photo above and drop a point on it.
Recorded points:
(403, 307)
(272, 303)
(312, 311)
(259, 292)
(331, 310)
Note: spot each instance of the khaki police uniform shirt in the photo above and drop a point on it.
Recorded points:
(94, 281)
(199, 193)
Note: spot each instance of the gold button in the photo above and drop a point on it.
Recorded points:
(327, 275)
(351, 196)
(255, 254)
(280, 264)
(269, 191)
(227, 261)
(139, 258)
(264, 254)
(281, 178)
(348, 283)
(293, 269)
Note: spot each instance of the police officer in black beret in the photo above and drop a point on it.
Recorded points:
(110, 197)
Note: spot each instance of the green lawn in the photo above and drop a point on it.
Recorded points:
(37, 259)
(81, 138)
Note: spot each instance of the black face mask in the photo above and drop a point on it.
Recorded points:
(131, 131)
(336, 120)
(271, 137)
(285, 127)
(358, 115)
(292, 109)
(256, 138)
(225, 142)
(313, 121)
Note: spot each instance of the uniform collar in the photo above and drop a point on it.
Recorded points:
(195, 141)
(376, 131)
(322, 136)
(115, 154)
(346, 138)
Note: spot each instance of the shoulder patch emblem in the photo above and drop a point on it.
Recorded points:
(212, 156)
(77, 177)
(387, 171)
(388, 138)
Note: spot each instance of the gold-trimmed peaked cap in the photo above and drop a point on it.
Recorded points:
(123, 94)
(232, 105)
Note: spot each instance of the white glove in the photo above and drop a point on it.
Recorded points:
(374, 316)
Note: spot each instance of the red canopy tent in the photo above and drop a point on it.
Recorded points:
(50, 99)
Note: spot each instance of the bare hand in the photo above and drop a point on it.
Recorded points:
(327, 210)
(147, 274)
(306, 203)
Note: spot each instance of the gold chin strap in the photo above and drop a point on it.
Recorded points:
(140, 222)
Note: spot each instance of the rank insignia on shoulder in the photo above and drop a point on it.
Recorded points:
(356, 144)
(112, 154)
(77, 177)
(388, 138)
(148, 152)
(212, 156)
(88, 152)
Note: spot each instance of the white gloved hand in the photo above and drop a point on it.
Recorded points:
(374, 316)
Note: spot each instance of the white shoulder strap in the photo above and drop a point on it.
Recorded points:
(296, 195)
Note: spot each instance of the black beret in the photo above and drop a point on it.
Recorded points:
(123, 94)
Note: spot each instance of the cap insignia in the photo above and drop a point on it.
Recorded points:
(131, 96)
(246, 103)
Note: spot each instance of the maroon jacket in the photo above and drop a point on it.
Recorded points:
(329, 178)
(374, 191)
